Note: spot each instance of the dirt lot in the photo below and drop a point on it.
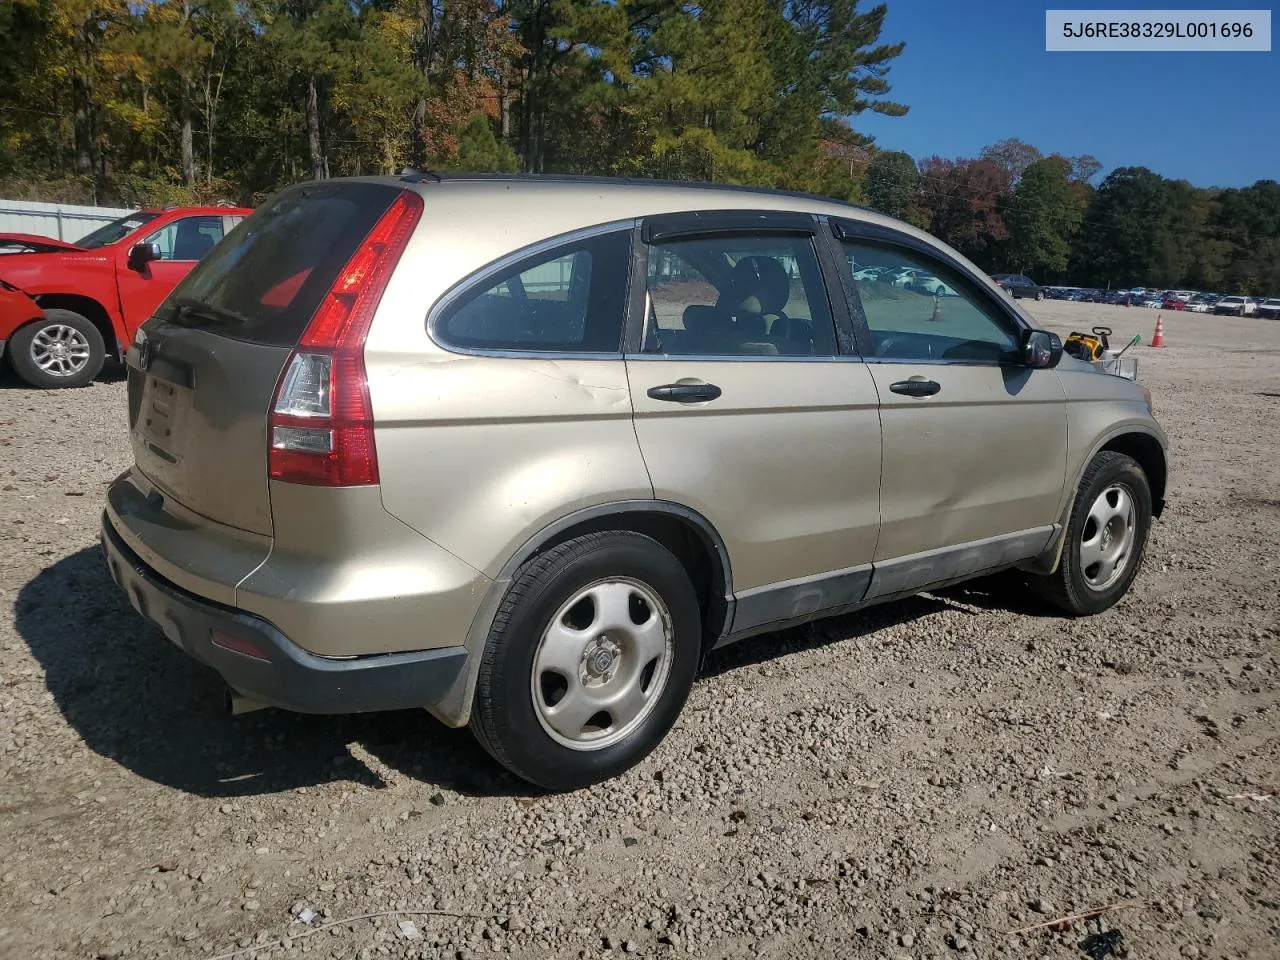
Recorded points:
(914, 781)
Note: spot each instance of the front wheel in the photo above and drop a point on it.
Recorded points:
(589, 661)
(1106, 537)
(1039, 295)
(64, 349)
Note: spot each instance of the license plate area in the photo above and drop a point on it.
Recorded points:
(162, 416)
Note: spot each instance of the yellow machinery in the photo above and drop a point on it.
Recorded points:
(1088, 346)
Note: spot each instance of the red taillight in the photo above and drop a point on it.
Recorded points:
(321, 424)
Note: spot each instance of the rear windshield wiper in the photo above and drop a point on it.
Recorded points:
(191, 307)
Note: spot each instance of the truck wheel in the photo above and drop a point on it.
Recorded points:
(62, 350)
(1106, 538)
(589, 660)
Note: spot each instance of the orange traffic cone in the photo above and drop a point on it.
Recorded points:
(1158, 339)
(937, 312)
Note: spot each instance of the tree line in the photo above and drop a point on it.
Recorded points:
(138, 102)
(1012, 209)
(241, 96)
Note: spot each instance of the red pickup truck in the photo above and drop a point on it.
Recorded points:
(93, 294)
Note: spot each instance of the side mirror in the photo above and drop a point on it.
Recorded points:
(1041, 350)
(140, 254)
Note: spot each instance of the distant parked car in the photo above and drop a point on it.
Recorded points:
(1270, 308)
(1203, 302)
(1018, 286)
(96, 292)
(904, 277)
(1152, 301)
(1235, 307)
(1171, 301)
(869, 274)
(928, 283)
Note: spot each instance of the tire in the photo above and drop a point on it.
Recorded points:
(529, 715)
(62, 350)
(1039, 295)
(1080, 587)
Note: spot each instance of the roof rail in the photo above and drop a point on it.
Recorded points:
(635, 181)
(419, 174)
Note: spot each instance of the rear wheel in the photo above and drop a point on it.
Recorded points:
(64, 349)
(1106, 537)
(589, 661)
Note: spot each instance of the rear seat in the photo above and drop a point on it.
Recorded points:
(710, 330)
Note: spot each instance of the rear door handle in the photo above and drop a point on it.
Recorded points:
(916, 388)
(685, 392)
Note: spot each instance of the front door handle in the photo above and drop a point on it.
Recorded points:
(685, 392)
(916, 388)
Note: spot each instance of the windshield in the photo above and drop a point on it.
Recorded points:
(114, 230)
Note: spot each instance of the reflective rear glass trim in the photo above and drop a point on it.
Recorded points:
(277, 266)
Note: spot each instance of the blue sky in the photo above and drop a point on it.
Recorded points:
(975, 73)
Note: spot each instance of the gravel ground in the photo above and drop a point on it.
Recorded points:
(914, 781)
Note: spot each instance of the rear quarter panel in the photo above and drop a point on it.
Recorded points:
(479, 453)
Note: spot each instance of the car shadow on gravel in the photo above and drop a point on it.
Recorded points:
(135, 698)
(820, 633)
(1005, 591)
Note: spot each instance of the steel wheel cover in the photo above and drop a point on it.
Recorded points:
(1107, 538)
(602, 663)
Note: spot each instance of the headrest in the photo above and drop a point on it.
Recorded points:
(757, 285)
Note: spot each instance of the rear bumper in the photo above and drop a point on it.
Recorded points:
(265, 664)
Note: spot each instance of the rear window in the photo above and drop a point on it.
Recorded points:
(266, 279)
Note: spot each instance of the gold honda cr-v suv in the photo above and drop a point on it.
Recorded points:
(520, 450)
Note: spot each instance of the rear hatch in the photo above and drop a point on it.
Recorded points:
(203, 371)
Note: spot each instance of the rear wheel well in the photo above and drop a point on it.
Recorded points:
(1145, 449)
(88, 308)
(690, 544)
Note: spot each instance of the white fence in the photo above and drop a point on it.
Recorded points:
(62, 221)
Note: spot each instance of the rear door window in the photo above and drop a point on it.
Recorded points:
(264, 283)
(569, 299)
